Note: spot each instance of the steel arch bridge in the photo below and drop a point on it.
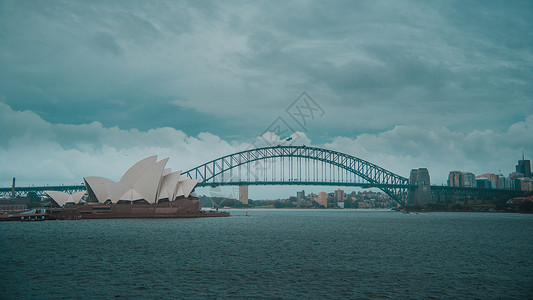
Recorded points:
(298, 165)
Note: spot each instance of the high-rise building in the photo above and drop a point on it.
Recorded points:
(515, 184)
(483, 183)
(300, 195)
(504, 183)
(243, 194)
(524, 167)
(493, 178)
(469, 179)
(339, 195)
(455, 178)
(323, 199)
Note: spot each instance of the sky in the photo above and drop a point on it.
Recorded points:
(88, 88)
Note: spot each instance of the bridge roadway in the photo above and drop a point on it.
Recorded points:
(437, 192)
(39, 190)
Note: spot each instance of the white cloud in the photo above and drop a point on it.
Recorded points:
(441, 150)
(38, 152)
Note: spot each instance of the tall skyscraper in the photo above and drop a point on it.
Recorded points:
(524, 167)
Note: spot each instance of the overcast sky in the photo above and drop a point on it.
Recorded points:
(88, 88)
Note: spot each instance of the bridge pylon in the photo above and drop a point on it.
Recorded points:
(420, 188)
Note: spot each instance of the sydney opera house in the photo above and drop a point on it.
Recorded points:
(146, 190)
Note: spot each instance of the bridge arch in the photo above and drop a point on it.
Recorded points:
(307, 160)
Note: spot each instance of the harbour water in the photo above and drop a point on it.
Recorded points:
(272, 254)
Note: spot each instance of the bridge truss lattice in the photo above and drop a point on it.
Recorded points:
(298, 165)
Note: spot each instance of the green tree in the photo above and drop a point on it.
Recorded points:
(458, 206)
(525, 206)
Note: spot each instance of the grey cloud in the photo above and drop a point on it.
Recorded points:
(106, 43)
(74, 151)
(38, 152)
(442, 150)
(230, 68)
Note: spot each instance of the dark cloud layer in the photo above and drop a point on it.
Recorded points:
(230, 68)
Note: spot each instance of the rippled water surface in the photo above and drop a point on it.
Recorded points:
(272, 254)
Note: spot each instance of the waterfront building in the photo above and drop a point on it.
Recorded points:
(493, 178)
(515, 184)
(243, 194)
(483, 183)
(300, 196)
(504, 183)
(146, 181)
(469, 179)
(524, 167)
(146, 190)
(323, 199)
(339, 195)
(526, 185)
(455, 178)
(62, 198)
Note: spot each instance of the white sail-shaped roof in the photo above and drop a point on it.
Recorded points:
(167, 171)
(148, 183)
(62, 198)
(98, 186)
(147, 179)
(137, 170)
(59, 197)
(116, 190)
(131, 195)
(76, 197)
(185, 187)
(168, 186)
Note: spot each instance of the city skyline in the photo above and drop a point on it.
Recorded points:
(88, 90)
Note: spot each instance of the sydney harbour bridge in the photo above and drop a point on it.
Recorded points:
(302, 165)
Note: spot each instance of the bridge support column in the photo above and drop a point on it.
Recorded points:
(13, 188)
(421, 193)
(243, 194)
